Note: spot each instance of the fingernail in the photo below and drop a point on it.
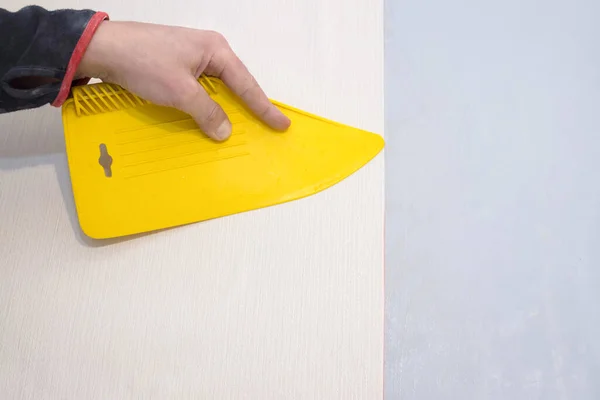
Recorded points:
(224, 130)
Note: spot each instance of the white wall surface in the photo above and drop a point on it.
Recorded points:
(280, 303)
(493, 199)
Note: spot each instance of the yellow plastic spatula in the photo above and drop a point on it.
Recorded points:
(137, 167)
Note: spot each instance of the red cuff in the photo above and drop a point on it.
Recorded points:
(76, 57)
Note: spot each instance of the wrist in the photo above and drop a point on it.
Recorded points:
(73, 70)
(94, 61)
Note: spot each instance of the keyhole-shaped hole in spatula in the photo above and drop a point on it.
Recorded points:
(105, 160)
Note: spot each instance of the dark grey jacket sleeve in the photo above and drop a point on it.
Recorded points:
(39, 54)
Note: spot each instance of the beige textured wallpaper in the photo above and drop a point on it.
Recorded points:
(280, 303)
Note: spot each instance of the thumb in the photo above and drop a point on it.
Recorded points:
(209, 116)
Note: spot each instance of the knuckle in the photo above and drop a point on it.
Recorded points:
(213, 115)
(264, 113)
(249, 89)
(182, 95)
(217, 39)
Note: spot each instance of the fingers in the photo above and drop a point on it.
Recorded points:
(209, 116)
(237, 77)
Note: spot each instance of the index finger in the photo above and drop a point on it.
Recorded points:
(237, 77)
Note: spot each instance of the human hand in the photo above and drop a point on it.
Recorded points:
(162, 64)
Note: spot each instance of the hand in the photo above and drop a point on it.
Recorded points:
(162, 64)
